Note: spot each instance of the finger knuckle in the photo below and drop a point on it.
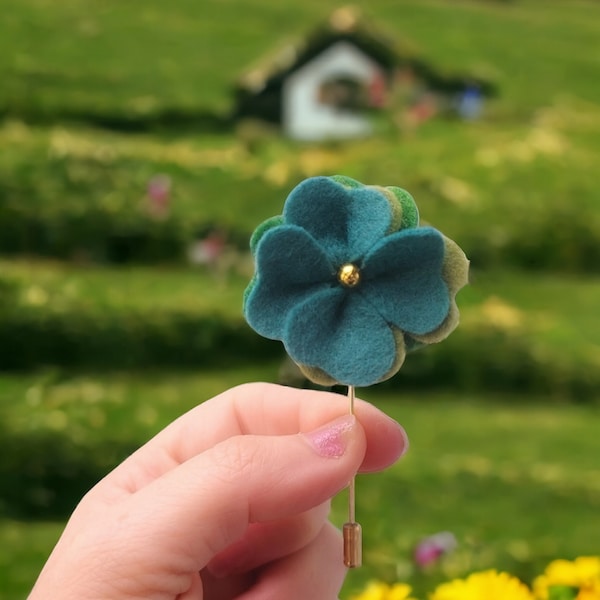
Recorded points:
(236, 458)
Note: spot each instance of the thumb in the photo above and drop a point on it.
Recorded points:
(203, 505)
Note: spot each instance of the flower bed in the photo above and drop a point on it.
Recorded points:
(562, 580)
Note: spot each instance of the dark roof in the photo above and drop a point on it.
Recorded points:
(345, 24)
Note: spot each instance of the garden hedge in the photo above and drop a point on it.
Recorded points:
(476, 357)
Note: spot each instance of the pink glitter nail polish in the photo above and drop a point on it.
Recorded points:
(330, 441)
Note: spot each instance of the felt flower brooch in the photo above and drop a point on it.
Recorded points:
(349, 282)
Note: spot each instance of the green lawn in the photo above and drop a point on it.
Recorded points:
(153, 289)
(500, 185)
(516, 482)
(137, 58)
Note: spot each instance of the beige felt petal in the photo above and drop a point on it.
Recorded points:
(317, 375)
(456, 266)
(444, 330)
(400, 354)
(395, 206)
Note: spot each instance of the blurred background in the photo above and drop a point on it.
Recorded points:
(140, 144)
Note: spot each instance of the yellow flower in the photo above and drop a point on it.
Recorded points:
(486, 585)
(582, 573)
(377, 590)
(399, 591)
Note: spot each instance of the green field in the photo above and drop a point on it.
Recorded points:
(107, 333)
(500, 185)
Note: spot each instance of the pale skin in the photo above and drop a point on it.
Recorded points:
(230, 501)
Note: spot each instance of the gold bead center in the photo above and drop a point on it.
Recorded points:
(349, 275)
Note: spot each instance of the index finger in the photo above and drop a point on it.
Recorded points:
(259, 409)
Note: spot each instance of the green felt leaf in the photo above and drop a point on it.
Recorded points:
(410, 212)
(262, 229)
(249, 289)
(347, 181)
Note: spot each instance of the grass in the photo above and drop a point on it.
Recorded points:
(153, 289)
(30, 544)
(562, 305)
(138, 58)
(127, 406)
(517, 485)
(499, 186)
(515, 479)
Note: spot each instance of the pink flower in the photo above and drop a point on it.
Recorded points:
(431, 548)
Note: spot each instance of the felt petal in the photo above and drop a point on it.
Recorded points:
(251, 285)
(456, 266)
(347, 222)
(456, 275)
(403, 280)
(411, 344)
(338, 332)
(448, 325)
(262, 229)
(410, 212)
(290, 266)
(401, 351)
(346, 181)
(319, 376)
(395, 207)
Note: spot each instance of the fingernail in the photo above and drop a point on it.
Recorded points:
(383, 431)
(331, 440)
(406, 446)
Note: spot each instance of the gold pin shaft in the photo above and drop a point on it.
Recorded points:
(352, 531)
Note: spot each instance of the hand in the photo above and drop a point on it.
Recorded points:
(228, 502)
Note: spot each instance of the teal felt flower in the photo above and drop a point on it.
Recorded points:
(349, 282)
